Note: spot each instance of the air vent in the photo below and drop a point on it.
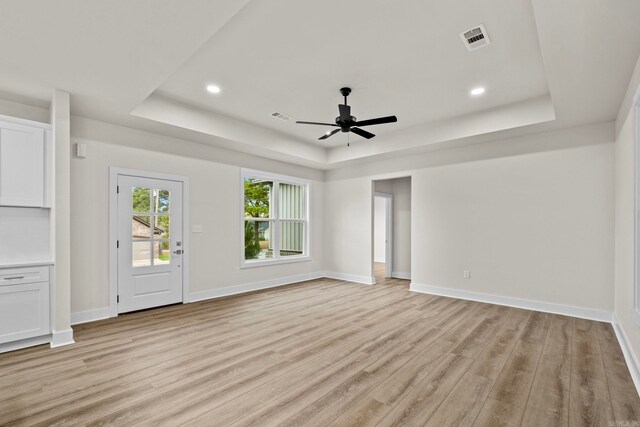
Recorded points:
(475, 38)
(281, 116)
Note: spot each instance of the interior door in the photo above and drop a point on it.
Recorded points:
(149, 242)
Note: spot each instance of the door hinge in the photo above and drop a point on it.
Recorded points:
(118, 298)
(117, 244)
(118, 189)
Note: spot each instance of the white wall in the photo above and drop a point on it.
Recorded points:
(531, 217)
(215, 203)
(379, 229)
(625, 152)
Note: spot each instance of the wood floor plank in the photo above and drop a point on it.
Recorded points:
(464, 402)
(325, 352)
(590, 401)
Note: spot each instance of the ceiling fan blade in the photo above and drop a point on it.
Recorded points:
(317, 123)
(328, 134)
(378, 121)
(363, 133)
(345, 112)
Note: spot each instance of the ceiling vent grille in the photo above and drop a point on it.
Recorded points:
(475, 38)
(281, 116)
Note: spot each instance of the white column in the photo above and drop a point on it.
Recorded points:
(62, 334)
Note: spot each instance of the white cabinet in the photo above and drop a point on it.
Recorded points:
(23, 149)
(24, 303)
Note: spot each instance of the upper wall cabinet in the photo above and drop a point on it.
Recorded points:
(23, 166)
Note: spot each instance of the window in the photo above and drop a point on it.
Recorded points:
(275, 219)
(636, 291)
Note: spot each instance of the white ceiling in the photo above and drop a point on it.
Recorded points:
(292, 57)
(146, 64)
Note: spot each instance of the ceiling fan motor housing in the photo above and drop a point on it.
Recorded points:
(345, 126)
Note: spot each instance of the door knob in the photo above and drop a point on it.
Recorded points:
(178, 252)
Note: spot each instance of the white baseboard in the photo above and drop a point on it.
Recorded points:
(629, 356)
(381, 260)
(365, 280)
(60, 338)
(29, 342)
(250, 287)
(401, 275)
(566, 310)
(91, 315)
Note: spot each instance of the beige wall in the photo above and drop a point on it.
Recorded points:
(536, 227)
(625, 154)
(533, 221)
(402, 225)
(214, 203)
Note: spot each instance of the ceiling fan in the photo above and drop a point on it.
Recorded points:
(345, 122)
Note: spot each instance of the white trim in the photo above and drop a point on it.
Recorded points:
(91, 315)
(566, 310)
(26, 122)
(365, 280)
(629, 356)
(29, 342)
(250, 287)
(277, 179)
(636, 193)
(264, 263)
(114, 172)
(61, 338)
(401, 275)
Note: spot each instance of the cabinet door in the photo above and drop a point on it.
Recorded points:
(24, 311)
(21, 165)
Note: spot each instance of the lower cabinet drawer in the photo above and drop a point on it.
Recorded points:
(24, 311)
(18, 276)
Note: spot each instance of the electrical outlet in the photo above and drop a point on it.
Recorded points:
(467, 274)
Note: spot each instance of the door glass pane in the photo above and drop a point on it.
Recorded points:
(161, 201)
(141, 199)
(257, 198)
(141, 253)
(258, 240)
(291, 238)
(162, 227)
(291, 201)
(161, 252)
(140, 227)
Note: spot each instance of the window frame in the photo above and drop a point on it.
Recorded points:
(636, 226)
(274, 217)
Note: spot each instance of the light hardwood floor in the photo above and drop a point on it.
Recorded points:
(325, 352)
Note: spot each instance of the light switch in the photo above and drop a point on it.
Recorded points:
(81, 150)
(196, 228)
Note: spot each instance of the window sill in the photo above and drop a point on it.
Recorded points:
(264, 263)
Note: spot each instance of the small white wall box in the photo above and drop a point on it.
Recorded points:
(81, 150)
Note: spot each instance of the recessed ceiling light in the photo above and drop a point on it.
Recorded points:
(477, 91)
(213, 89)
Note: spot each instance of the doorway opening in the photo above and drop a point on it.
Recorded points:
(391, 231)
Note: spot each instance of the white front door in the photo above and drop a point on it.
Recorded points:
(149, 242)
